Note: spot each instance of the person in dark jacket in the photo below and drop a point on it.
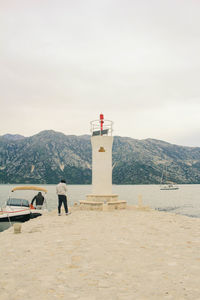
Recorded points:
(39, 199)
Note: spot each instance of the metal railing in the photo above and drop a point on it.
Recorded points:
(95, 128)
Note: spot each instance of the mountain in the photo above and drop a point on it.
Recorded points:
(13, 137)
(142, 162)
(49, 156)
(45, 158)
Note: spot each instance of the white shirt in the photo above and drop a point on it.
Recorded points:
(61, 188)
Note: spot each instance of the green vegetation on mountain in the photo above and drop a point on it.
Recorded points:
(48, 156)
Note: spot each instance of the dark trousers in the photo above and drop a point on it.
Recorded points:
(62, 199)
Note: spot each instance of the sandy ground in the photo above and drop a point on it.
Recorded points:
(127, 254)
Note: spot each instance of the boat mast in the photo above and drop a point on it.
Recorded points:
(162, 176)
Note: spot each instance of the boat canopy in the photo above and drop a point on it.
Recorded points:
(32, 188)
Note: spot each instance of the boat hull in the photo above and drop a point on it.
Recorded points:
(22, 216)
(169, 189)
(34, 215)
(15, 218)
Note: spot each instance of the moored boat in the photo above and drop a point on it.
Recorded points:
(169, 186)
(18, 209)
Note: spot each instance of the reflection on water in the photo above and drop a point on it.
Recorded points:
(4, 226)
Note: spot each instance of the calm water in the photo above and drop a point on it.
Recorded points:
(185, 201)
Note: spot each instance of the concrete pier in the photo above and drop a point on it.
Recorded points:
(120, 254)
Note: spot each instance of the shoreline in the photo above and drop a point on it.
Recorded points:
(125, 254)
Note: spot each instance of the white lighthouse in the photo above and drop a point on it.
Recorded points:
(102, 141)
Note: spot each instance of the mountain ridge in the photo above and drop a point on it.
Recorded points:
(50, 155)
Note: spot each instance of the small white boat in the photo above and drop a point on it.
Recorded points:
(20, 209)
(169, 186)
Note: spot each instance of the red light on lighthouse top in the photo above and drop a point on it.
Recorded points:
(101, 121)
(101, 126)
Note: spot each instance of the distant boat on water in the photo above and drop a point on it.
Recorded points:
(167, 185)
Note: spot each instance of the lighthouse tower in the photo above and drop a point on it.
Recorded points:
(102, 140)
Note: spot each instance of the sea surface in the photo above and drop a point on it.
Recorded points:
(185, 200)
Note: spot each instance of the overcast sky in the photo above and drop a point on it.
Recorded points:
(64, 62)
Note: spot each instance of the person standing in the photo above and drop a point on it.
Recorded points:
(61, 190)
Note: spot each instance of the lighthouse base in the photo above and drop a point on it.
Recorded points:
(102, 198)
(102, 202)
